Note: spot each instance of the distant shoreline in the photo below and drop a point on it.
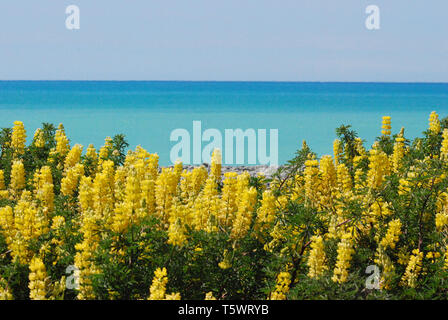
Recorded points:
(253, 170)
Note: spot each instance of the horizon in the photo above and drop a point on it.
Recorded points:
(231, 81)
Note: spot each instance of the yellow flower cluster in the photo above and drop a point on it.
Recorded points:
(243, 217)
(379, 167)
(38, 139)
(18, 138)
(71, 180)
(158, 287)
(38, 280)
(266, 212)
(413, 269)
(441, 220)
(282, 286)
(21, 225)
(386, 127)
(62, 143)
(345, 252)
(434, 123)
(399, 151)
(317, 259)
(17, 177)
(44, 188)
(392, 235)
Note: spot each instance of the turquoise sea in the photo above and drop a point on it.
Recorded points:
(147, 112)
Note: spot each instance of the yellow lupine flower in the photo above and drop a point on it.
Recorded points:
(317, 259)
(44, 188)
(166, 185)
(38, 139)
(206, 207)
(434, 123)
(85, 196)
(62, 143)
(328, 181)
(91, 153)
(392, 235)
(311, 174)
(176, 230)
(413, 269)
(158, 287)
(386, 127)
(178, 169)
(345, 252)
(70, 182)
(282, 286)
(29, 220)
(243, 216)
(148, 195)
(344, 179)
(103, 190)
(57, 222)
(73, 157)
(441, 220)
(104, 152)
(359, 146)
(379, 167)
(266, 212)
(17, 176)
(85, 253)
(229, 206)
(398, 153)
(38, 280)
(18, 138)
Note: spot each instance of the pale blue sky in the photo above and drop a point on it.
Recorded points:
(280, 40)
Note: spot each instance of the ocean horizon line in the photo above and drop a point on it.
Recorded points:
(233, 81)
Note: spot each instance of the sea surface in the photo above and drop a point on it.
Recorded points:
(147, 112)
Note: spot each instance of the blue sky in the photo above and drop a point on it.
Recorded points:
(248, 40)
